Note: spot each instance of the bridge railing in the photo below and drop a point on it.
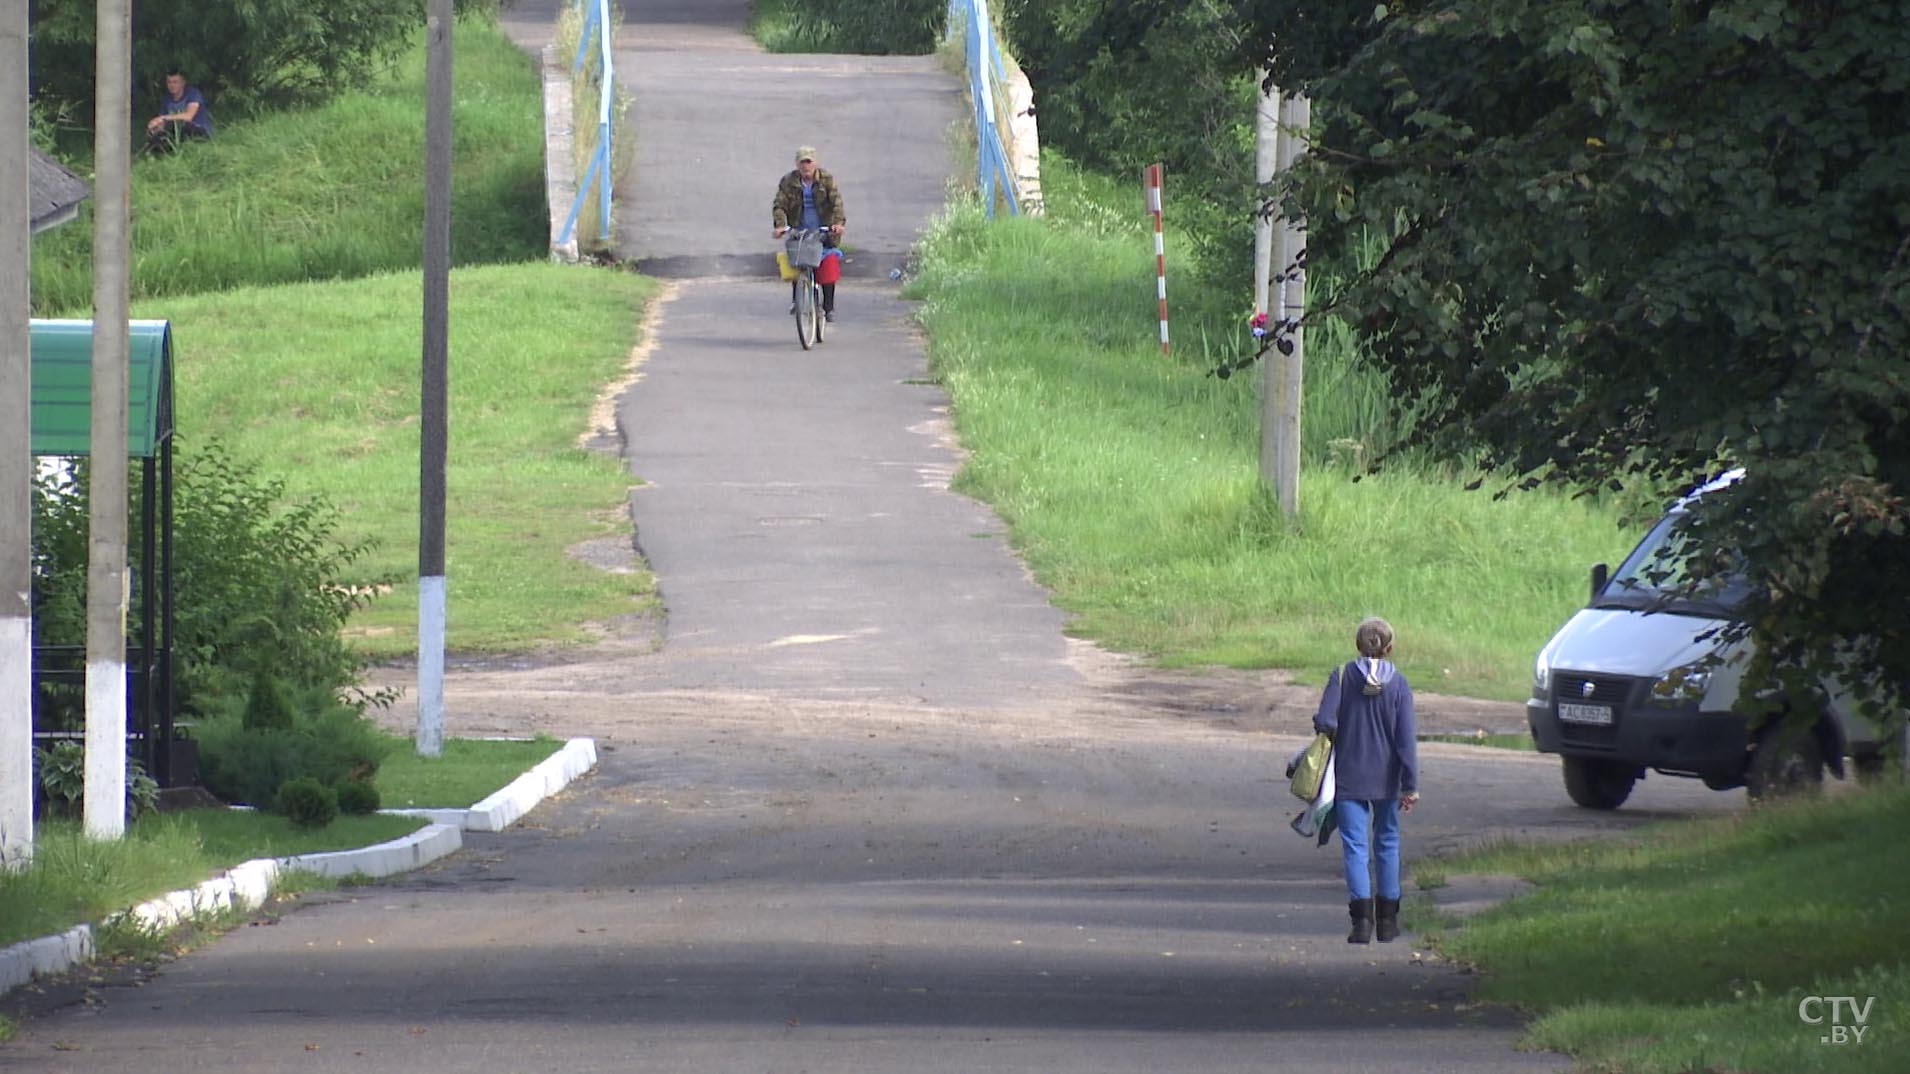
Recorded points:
(594, 40)
(987, 89)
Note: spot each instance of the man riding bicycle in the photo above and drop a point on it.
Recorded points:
(808, 198)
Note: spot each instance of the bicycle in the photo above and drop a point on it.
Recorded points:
(804, 247)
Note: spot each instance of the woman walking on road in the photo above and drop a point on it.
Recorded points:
(1368, 709)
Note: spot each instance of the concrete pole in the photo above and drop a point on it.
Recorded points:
(16, 450)
(1296, 114)
(1265, 145)
(434, 450)
(1266, 250)
(106, 578)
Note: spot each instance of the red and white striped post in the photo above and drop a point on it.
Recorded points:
(1152, 176)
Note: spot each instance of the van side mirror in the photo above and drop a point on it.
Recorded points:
(1601, 575)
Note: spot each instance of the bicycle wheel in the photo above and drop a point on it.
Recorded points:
(806, 315)
(815, 303)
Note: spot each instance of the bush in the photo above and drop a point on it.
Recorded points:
(359, 797)
(262, 584)
(327, 740)
(307, 803)
(268, 52)
(60, 777)
(266, 707)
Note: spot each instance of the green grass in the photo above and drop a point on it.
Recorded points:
(74, 879)
(1689, 945)
(230, 836)
(467, 771)
(335, 191)
(318, 383)
(1130, 480)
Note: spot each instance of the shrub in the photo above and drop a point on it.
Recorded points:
(266, 52)
(307, 803)
(62, 777)
(266, 706)
(262, 584)
(61, 782)
(358, 797)
(326, 740)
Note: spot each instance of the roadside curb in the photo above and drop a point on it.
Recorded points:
(504, 808)
(247, 885)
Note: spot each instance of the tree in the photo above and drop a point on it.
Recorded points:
(1637, 244)
(1123, 85)
(246, 55)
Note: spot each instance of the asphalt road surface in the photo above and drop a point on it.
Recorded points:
(862, 806)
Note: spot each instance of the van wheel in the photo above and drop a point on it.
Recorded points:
(1788, 761)
(1597, 784)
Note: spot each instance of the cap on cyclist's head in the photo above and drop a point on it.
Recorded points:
(807, 152)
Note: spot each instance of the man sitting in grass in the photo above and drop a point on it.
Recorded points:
(182, 114)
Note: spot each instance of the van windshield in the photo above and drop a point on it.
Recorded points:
(1654, 577)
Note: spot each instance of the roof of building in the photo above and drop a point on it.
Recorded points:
(54, 192)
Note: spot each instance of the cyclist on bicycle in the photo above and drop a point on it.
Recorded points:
(808, 198)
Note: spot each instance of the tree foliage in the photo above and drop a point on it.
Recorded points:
(1638, 244)
(1120, 86)
(263, 584)
(245, 55)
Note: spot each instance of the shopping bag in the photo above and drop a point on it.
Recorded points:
(1308, 767)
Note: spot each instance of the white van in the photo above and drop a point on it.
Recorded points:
(1623, 687)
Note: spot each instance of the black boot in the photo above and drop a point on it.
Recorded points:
(1387, 919)
(1362, 914)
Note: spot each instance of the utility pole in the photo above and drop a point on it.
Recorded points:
(16, 449)
(106, 580)
(1288, 358)
(1265, 157)
(433, 449)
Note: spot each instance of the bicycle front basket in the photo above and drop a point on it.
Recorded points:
(806, 251)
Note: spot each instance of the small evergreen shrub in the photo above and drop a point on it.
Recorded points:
(358, 797)
(307, 803)
(266, 706)
(326, 740)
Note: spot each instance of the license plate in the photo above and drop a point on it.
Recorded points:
(1576, 713)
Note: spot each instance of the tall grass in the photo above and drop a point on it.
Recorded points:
(1690, 946)
(74, 878)
(331, 192)
(319, 383)
(1130, 479)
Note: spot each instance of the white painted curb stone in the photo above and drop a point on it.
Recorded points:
(247, 885)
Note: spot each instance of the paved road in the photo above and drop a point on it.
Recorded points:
(867, 808)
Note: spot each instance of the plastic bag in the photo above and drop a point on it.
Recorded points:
(1309, 766)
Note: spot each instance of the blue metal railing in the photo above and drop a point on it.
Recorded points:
(986, 74)
(597, 21)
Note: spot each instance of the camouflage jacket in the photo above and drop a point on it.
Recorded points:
(786, 210)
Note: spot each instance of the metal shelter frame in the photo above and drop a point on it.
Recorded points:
(62, 355)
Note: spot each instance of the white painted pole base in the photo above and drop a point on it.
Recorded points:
(16, 742)
(105, 815)
(431, 666)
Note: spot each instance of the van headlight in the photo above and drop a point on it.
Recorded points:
(1687, 683)
(1541, 677)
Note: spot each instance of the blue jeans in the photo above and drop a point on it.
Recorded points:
(1364, 823)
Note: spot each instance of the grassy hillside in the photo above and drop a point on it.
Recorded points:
(1131, 483)
(331, 192)
(319, 383)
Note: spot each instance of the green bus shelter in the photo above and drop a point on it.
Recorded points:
(62, 407)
